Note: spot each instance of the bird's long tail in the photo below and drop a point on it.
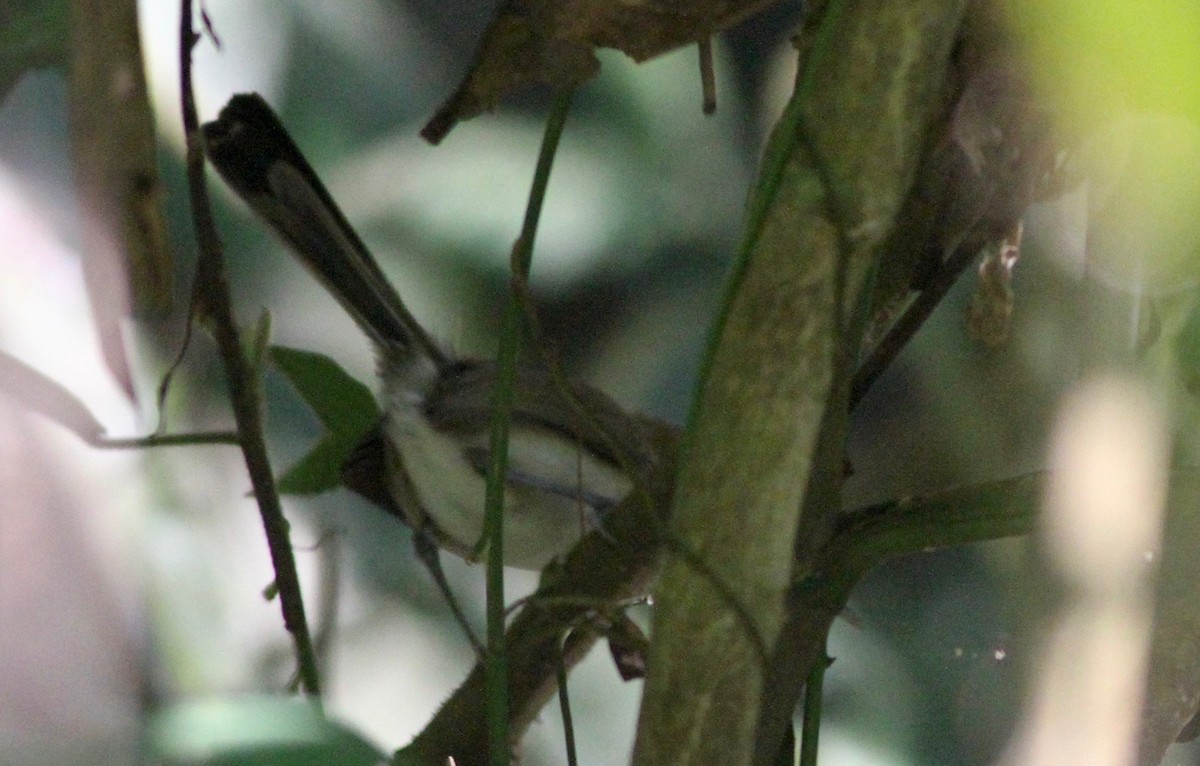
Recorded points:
(253, 152)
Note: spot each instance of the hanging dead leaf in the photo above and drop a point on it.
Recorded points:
(989, 315)
(551, 42)
(628, 645)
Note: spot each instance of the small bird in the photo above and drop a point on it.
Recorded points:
(571, 452)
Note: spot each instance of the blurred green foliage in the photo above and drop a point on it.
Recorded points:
(249, 731)
(33, 34)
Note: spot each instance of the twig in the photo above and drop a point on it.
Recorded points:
(910, 321)
(708, 79)
(564, 706)
(868, 537)
(46, 396)
(169, 440)
(502, 403)
(243, 387)
(811, 726)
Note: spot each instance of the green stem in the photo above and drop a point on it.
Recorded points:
(502, 402)
(811, 727)
(169, 440)
(493, 540)
(870, 536)
(564, 705)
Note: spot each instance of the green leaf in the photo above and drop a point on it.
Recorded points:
(1187, 351)
(318, 471)
(343, 405)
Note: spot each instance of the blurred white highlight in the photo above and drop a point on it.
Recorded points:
(1102, 515)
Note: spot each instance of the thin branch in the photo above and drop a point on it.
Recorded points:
(502, 403)
(168, 377)
(868, 537)
(230, 438)
(46, 396)
(243, 386)
(564, 706)
(811, 728)
(900, 333)
(708, 78)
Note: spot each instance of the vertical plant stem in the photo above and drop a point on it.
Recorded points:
(217, 306)
(811, 727)
(502, 401)
(564, 705)
(497, 656)
(708, 78)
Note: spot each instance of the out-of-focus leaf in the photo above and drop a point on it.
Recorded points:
(32, 34)
(1173, 678)
(345, 408)
(1103, 58)
(551, 42)
(126, 260)
(47, 397)
(343, 404)
(254, 732)
(1187, 351)
(1143, 172)
(318, 471)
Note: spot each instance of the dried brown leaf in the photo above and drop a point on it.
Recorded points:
(552, 42)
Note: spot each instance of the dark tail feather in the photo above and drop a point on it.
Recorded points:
(253, 152)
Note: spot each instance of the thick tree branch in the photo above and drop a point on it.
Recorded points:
(772, 404)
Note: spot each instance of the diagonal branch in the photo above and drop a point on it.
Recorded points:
(244, 394)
